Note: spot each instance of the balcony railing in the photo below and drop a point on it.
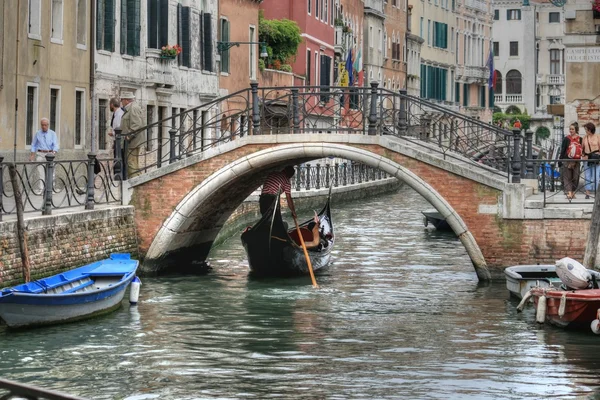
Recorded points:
(508, 98)
(556, 79)
(479, 5)
(374, 6)
(471, 73)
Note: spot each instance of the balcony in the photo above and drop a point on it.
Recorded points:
(159, 70)
(556, 79)
(508, 98)
(472, 74)
(374, 7)
(479, 5)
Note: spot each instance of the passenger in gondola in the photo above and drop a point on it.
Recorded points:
(275, 183)
(313, 227)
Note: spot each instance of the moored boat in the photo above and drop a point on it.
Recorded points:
(274, 250)
(566, 308)
(80, 293)
(521, 278)
(436, 219)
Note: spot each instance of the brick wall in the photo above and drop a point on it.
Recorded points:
(63, 242)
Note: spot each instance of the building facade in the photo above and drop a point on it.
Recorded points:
(129, 37)
(413, 58)
(395, 42)
(45, 51)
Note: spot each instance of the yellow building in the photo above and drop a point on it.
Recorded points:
(45, 49)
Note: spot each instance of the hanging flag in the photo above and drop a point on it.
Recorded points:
(358, 66)
(349, 68)
(490, 65)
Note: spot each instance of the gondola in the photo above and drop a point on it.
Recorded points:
(274, 250)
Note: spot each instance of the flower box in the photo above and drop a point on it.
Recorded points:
(168, 57)
(170, 51)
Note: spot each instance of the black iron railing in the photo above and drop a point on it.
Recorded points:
(321, 176)
(15, 390)
(556, 178)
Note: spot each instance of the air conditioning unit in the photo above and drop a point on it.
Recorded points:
(570, 14)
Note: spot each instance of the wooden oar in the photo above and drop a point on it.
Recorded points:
(310, 268)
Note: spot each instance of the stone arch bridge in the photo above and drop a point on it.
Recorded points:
(215, 157)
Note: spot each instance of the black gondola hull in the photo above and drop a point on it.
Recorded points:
(271, 250)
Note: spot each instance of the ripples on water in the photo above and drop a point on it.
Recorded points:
(400, 314)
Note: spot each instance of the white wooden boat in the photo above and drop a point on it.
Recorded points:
(521, 278)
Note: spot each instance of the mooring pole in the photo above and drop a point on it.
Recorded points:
(21, 233)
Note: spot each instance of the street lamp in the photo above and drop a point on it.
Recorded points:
(224, 46)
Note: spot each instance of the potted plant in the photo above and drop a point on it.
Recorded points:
(170, 51)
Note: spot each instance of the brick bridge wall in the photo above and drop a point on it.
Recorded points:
(503, 242)
(63, 242)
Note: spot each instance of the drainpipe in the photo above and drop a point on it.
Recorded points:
(92, 48)
(17, 81)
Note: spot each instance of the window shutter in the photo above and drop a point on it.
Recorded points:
(133, 27)
(153, 24)
(491, 98)
(163, 21)
(179, 31)
(208, 45)
(123, 27)
(109, 25)
(186, 47)
(99, 24)
(457, 92)
(308, 65)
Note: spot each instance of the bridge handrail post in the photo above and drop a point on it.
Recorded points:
(49, 187)
(318, 177)
(298, 177)
(89, 199)
(516, 162)
(352, 176)
(119, 159)
(172, 154)
(344, 174)
(255, 109)
(295, 111)
(327, 177)
(373, 109)
(336, 176)
(402, 122)
(1, 185)
(529, 161)
(360, 170)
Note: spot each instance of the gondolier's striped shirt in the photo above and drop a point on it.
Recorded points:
(275, 182)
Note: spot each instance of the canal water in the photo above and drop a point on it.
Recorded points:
(400, 314)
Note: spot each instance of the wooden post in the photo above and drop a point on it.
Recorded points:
(21, 233)
(591, 247)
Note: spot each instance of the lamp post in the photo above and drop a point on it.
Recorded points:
(224, 46)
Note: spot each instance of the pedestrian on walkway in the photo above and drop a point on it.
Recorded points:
(44, 142)
(115, 123)
(570, 170)
(591, 153)
(132, 121)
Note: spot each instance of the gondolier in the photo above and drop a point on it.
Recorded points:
(275, 183)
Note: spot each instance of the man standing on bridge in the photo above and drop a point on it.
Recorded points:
(274, 184)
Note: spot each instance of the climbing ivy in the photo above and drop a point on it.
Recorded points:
(282, 37)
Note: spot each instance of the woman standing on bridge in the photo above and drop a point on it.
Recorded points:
(570, 169)
(591, 153)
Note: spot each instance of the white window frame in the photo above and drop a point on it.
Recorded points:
(34, 19)
(57, 17)
(252, 51)
(309, 2)
(58, 109)
(317, 77)
(370, 37)
(83, 118)
(35, 116)
(81, 46)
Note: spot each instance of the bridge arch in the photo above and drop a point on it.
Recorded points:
(199, 216)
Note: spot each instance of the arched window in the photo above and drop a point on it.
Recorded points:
(498, 87)
(513, 82)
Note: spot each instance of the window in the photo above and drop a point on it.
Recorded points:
(380, 40)
(102, 126)
(308, 65)
(554, 17)
(309, 2)
(105, 25)
(429, 32)
(158, 23)
(325, 10)
(433, 82)
(130, 27)
(184, 35)
(371, 37)
(225, 55)
(79, 116)
(57, 21)
(317, 9)
(440, 35)
(253, 60)
(421, 28)
(466, 100)
(207, 45)
(514, 49)
(482, 96)
(496, 15)
(513, 15)
(31, 113)
(82, 22)
(54, 109)
(35, 21)
(160, 135)
(325, 80)
(555, 100)
(555, 62)
(498, 86)
(496, 49)
(513, 82)
(149, 129)
(316, 68)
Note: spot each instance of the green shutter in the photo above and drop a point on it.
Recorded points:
(208, 42)
(491, 98)
(444, 83)
(123, 27)
(179, 31)
(423, 72)
(109, 25)
(153, 24)
(99, 24)
(457, 92)
(186, 47)
(133, 27)
(465, 95)
(163, 22)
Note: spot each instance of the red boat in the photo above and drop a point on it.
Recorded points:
(566, 308)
